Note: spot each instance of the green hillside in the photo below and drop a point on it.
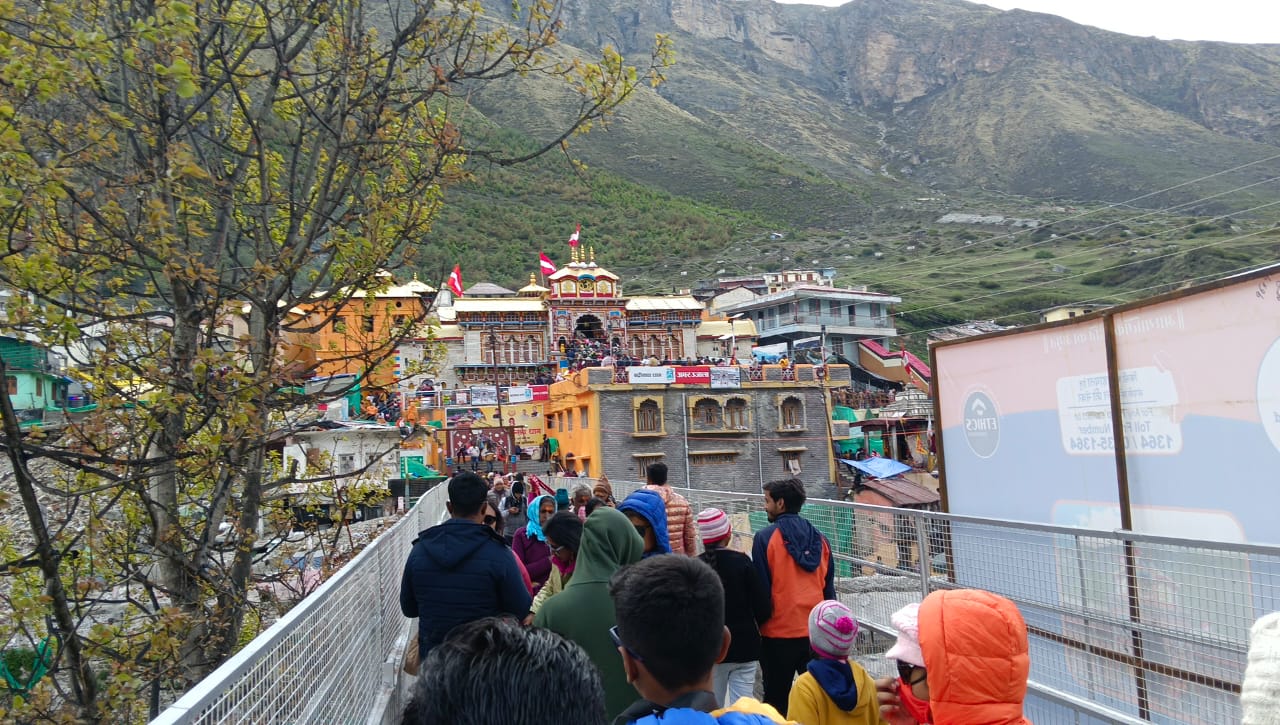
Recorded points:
(789, 136)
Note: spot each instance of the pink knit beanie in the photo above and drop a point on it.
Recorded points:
(713, 526)
(832, 630)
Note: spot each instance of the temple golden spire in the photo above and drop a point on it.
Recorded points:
(532, 278)
(593, 254)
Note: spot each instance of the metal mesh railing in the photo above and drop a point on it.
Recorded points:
(323, 661)
(1123, 627)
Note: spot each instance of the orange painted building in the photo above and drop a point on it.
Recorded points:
(573, 419)
(353, 340)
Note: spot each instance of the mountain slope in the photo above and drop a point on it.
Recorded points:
(868, 86)
(854, 130)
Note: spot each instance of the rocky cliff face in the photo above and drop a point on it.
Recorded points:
(940, 92)
(885, 54)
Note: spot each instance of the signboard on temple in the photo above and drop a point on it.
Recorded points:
(484, 395)
(520, 394)
(659, 375)
(693, 375)
(726, 377)
(524, 419)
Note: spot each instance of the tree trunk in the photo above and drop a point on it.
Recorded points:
(83, 684)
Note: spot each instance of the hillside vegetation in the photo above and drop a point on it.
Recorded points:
(852, 132)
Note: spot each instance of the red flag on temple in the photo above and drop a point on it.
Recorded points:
(545, 264)
(573, 240)
(455, 280)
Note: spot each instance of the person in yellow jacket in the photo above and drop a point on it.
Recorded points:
(834, 690)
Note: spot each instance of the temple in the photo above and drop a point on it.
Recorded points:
(492, 334)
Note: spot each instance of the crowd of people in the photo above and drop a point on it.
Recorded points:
(381, 406)
(482, 450)
(576, 608)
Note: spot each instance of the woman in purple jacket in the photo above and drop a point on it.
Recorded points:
(530, 544)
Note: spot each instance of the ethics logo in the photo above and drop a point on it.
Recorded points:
(981, 424)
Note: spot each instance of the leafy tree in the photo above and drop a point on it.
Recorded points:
(190, 191)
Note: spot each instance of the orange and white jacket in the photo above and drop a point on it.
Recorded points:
(681, 530)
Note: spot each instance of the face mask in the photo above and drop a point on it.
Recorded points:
(918, 709)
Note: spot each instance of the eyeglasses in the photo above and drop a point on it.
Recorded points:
(617, 642)
(557, 549)
(490, 520)
(906, 670)
(642, 530)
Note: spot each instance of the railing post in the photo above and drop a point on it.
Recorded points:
(922, 543)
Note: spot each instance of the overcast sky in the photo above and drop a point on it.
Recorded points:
(1236, 21)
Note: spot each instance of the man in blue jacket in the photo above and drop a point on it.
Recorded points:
(460, 570)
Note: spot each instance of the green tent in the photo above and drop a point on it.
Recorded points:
(414, 467)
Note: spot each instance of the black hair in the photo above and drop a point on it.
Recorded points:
(497, 512)
(467, 493)
(790, 491)
(656, 473)
(494, 670)
(670, 612)
(594, 504)
(711, 554)
(566, 528)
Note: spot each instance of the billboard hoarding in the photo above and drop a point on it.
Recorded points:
(693, 375)
(657, 375)
(726, 377)
(484, 395)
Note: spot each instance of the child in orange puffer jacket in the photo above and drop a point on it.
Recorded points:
(973, 648)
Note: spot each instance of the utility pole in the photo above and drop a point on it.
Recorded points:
(497, 391)
(733, 337)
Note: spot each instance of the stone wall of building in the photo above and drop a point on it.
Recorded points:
(739, 455)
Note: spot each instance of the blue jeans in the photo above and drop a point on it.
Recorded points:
(734, 680)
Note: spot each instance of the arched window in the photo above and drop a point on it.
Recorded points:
(637, 347)
(708, 414)
(791, 413)
(735, 414)
(531, 349)
(648, 417)
(511, 350)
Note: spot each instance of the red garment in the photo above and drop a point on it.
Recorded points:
(681, 531)
(975, 649)
(524, 574)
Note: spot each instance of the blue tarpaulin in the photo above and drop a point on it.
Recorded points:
(878, 466)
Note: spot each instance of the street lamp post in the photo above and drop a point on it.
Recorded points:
(497, 393)
(733, 336)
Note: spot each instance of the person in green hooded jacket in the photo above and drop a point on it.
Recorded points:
(584, 613)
